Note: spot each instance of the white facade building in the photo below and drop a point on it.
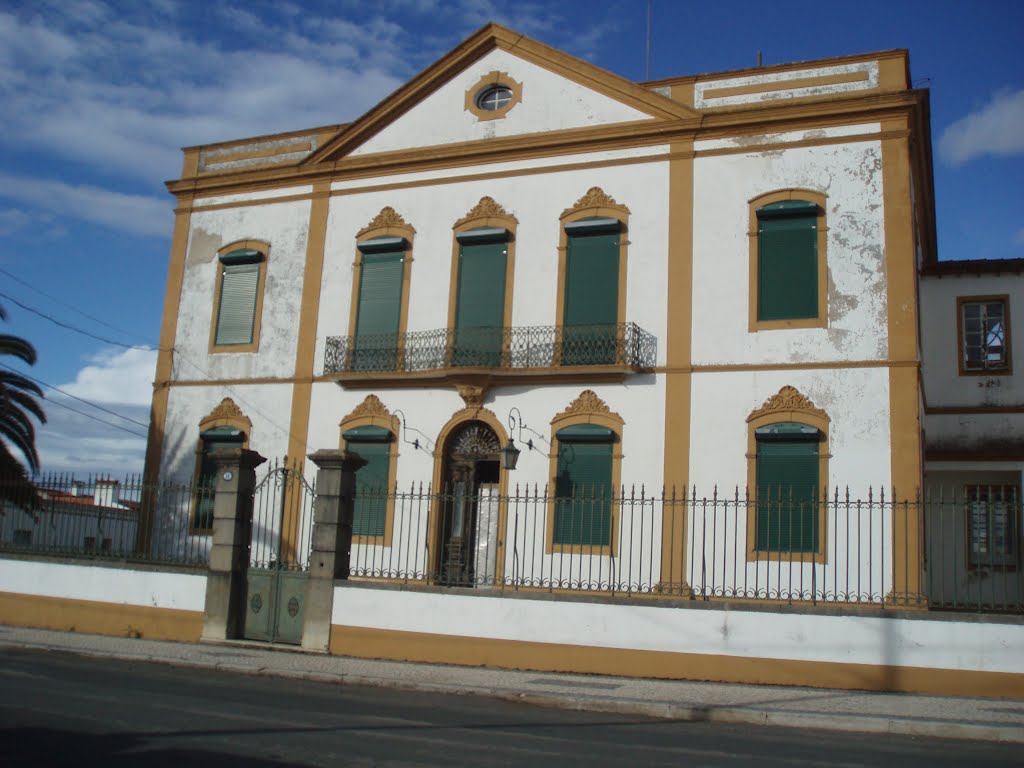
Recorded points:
(703, 282)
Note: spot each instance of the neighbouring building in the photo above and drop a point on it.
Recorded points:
(707, 287)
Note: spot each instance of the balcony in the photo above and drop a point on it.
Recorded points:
(589, 351)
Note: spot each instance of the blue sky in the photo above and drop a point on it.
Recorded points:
(99, 96)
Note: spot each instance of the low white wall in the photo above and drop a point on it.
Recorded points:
(936, 644)
(126, 586)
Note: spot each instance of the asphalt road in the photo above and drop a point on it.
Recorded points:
(58, 710)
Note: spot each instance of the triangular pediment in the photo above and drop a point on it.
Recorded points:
(552, 92)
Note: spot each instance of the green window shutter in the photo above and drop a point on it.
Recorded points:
(788, 493)
(379, 311)
(480, 304)
(213, 440)
(787, 268)
(583, 490)
(590, 318)
(236, 313)
(373, 444)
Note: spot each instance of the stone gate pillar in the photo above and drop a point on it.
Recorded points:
(332, 540)
(232, 530)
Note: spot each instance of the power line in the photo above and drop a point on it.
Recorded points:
(95, 418)
(177, 352)
(70, 306)
(75, 397)
(87, 415)
(69, 327)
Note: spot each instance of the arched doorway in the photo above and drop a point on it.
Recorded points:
(470, 510)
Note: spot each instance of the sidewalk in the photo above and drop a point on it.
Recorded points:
(908, 714)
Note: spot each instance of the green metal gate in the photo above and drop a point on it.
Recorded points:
(282, 526)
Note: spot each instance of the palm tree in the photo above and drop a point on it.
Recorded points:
(17, 403)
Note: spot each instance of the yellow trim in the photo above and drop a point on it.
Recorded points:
(369, 643)
(469, 413)
(1004, 298)
(305, 347)
(787, 405)
(678, 350)
(768, 86)
(256, 245)
(372, 413)
(904, 385)
(165, 359)
(493, 78)
(387, 223)
(486, 213)
(753, 234)
(588, 408)
(100, 618)
(594, 204)
(790, 115)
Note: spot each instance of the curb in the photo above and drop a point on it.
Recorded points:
(663, 710)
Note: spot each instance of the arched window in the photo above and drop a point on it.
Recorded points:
(224, 427)
(788, 268)
(480, 303)
(592, 280)
(787, 478)
(241, 277)
(586, 463)
(370, 431)
(380, 293)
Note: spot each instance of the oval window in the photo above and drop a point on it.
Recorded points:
(494, 97)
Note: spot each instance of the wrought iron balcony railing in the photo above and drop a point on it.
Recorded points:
(533, 347)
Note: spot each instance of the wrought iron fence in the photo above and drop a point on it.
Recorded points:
(519, 348)
(99, 517)
(836, 550)
(282, 518)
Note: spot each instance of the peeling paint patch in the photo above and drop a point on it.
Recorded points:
(204, 246)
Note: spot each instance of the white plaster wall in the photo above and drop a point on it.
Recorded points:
(940, 347)
(851, 176)
(550, 103)
(870, 68)
(787, 137)
(536, 201)
(856, 401)
(284, 226)
(511, 167)
(856, 563)
(151, 589)
(799, 637)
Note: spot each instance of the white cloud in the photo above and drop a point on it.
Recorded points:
(100, 442)
(123, 378)
(1018, 239)
(12, 219)
(126, 213)
(995, 129)
(70, 442)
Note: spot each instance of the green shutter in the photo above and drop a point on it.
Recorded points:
(378, 314)
(788, 493)
(583, 492)
(480, 304)
(372, 487)
(236, 312)
(214, 440)
(787, 268)
(591, 314)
